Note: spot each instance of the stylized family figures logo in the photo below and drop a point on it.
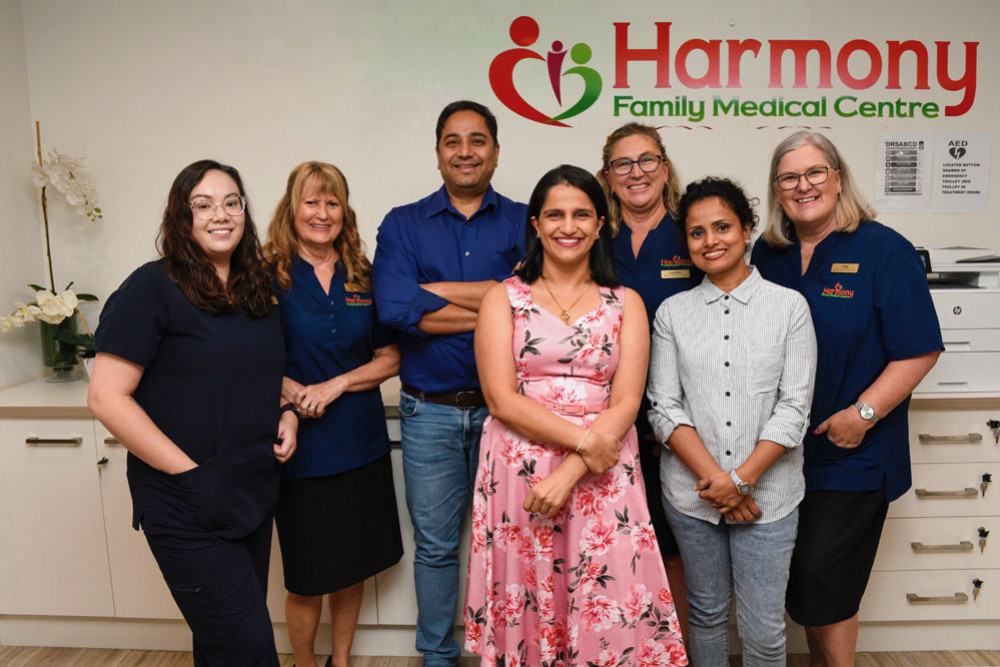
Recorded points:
(524, 32)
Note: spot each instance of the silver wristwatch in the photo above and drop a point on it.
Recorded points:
(867, 412)
(741, 486)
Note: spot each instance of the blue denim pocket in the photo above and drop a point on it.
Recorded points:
(408, 405)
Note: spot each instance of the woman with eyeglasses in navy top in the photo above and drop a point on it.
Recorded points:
(651, 256)
(877, 336)
(188, 377)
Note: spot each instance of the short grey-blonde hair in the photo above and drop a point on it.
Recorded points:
(852, 207)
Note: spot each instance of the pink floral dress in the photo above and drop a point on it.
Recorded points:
(586, 587)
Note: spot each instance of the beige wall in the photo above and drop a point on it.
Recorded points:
(21, 249)
(143, 88)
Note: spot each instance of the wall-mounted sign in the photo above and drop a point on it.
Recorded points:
(811, 66)
(903, 172)
(961, 172)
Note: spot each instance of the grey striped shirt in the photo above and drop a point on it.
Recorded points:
(738, 368)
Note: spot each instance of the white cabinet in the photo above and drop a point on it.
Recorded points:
(53, 558)
(138, 587)
(939, 557)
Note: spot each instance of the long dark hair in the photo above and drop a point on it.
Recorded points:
(249, 287)
(602, 254)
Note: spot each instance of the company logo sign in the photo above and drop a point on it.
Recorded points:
(858, 64)
(524, 33)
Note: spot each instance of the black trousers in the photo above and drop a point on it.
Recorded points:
(220, 586)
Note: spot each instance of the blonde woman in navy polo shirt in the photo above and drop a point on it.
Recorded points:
(651, 257)
(337, 520)
(878, 336)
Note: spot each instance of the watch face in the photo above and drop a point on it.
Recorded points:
(867, 411)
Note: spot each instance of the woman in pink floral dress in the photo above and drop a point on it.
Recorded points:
(564, 566)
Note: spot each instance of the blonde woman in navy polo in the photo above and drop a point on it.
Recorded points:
(651, 257)
(336, 518)
(878, 336)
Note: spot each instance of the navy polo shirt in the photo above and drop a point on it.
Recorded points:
(662, 268)
(431, 241)
(212, 384)
(870, 305)
(327, 335)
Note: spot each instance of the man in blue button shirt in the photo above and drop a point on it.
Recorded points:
(434, 260)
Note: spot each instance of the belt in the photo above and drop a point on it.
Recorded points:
(466, 399)
(576, 409)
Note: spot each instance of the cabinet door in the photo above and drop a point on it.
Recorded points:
(397, 599)
(138, 587)
(53, 558)
(949, 489)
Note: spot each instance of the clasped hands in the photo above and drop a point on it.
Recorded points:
(720, 492)
(312, 400)
(599, 452)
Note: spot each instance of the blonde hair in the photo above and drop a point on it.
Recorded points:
(283, 244)
(851, 209)
(671, 193)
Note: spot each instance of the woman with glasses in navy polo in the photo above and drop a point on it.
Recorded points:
(878, 336)
(188, 378)
(643, 191)
(337, 519)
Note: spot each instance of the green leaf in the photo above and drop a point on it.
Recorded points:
(69, 285)
(87, 297)
(37, 288)
(86, 341)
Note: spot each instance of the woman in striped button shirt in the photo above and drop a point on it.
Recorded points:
(730, 384)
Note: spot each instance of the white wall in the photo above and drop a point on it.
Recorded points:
(21, 249)
(143, 88)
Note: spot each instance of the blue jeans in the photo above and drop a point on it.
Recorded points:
(754, 557)
(440, 456)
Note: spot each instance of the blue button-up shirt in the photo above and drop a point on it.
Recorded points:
(662, 268)
(326, 335)
(430, 241)
(868, 295)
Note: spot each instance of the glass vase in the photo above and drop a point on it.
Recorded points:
(60, 357)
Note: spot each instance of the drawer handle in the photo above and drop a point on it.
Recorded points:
(54, 442)
(927, 438)
(112, 441)
(967, 492)
(913, 598)
(920, 547)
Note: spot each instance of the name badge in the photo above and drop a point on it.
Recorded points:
(675, 273)
(843, 267)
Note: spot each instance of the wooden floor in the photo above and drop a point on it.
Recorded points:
(15, 656)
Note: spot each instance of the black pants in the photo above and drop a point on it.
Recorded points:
(220, 586)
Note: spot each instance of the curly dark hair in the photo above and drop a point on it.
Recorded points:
(602, 254)
(249, 285)
(731, 194)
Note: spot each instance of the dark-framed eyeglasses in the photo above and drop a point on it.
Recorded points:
(647, 163)
(815, 176)
(204, 208)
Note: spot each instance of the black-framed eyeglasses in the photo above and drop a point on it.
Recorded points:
(647, 163)
(204, 209)
(815, 176)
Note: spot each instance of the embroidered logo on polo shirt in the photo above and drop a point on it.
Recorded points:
(356, 300)
(838, 292)
(675, 262)
(677, 267)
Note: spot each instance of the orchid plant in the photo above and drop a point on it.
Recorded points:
(66, 175)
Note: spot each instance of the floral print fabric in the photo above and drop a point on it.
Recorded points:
(586, 587)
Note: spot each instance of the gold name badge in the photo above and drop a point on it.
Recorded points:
(675, 273)
(844, 267)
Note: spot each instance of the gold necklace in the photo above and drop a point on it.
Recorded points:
(565, 311)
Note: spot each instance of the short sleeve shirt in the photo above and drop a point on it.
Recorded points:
(326, 335)
(870, 304)
(212, 384)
